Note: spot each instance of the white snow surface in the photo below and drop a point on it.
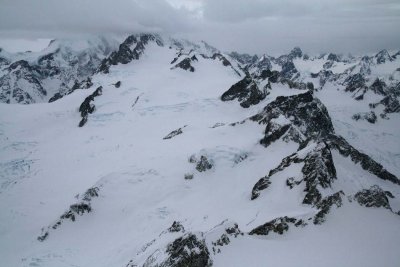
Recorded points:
(46, 161)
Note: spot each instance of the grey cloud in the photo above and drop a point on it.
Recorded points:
(240, 10)
(90, 16)
(356, 26)
(254, 26)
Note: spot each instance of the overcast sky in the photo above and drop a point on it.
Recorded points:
(254, 26)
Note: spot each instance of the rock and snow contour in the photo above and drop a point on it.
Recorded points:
(155, 151)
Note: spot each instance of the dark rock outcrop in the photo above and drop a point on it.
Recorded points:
(324, 76)
(188, 176)
(390, 102)
(328, 65)
(185, 251)
(87, 107)
(273, 132)
(261, 184)
(186, 65)
(295, 53)
(244, 58)
(245, 91)
(368, 116)
(318, 172)
(367, 163)
(307, 116)
(355, 82)
(75, 210)
(84, 84)
(374, 197)
(174, 133)
(176, 227)
(21, 83)
(263, 64)
(326, 204)
(131, 49)
(274, 76)
(203, 164)
(52, 74)
(383, 56)
(333, 57)
(288, 70)
(117, 84)
(378, 87)
(278, 225)
(223, 59)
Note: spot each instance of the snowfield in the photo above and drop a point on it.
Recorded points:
(47, 163)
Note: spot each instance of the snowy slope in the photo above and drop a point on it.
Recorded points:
(138, 178)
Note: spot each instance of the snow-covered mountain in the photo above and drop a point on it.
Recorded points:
(36, 77)
(164, 152)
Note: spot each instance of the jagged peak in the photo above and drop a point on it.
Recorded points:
(296, 52)
(383, 56)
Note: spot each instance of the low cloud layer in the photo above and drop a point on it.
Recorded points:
(255, 26)
(239, 10)
(90, 16)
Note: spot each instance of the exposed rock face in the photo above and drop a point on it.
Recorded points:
(374, 197)
(185, 251)
(223, 59)
(355, 82)
(391, 104)
(378, 87)
(365, 66)
(91, 193)
(188, 176)
(318, 172)
(262, 184)
(324, 76)
(174, 133)
(51, 75)
(186, 64)
(328, 65)
(84, 84)
(306, 115)
(263, 64)
(234, 230)
(295, 53)
(75, 210)
(225, 62)
(117, 84)
(131, 49)
(21, 84)
(333, 57)
(303, 119)
(368, 116)
(366, 162)
(176, 227)
(288, 70)
(225, 239)
(278, 225)
(246, 91)
(274, 76)
(244, 58)
(203, 164)
(87, 107)
(326, 204)
(273, 132)
(383, 56)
